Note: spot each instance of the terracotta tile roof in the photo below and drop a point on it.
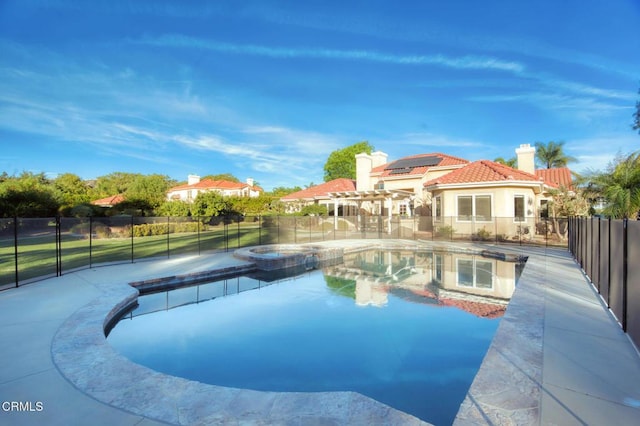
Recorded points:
(109, 201)
(479, 309)
(482, 171)
(556, 177)
(447, 160)
(336, 185)
(206, 184)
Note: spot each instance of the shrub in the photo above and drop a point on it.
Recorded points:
(445, 231)
(154, 229)
(101, 231)
(481, 235)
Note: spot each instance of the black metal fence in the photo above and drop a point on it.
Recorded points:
(609, 253)
(36, 248)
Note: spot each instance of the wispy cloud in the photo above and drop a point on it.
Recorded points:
(595, 153)
(460, 62)
(121, 113)
(586, 90)
(436, 141)
(581, 108)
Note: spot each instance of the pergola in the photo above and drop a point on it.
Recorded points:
(384, 196)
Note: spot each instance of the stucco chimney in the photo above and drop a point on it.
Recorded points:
(526, 158)
(364, 164)
(193, 179)
(250, 181)
(378, 158)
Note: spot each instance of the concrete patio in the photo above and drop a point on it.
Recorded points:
(558, 357)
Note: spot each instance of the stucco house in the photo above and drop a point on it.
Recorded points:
(493, 199)
(467, 196)
(194, 186)
(381, 187)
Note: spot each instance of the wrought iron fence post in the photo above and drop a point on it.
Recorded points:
(625, 264)
(198, 231)
(225, 230)
(168, 228)
(90, 240)
(599, 253)
(15, 247)
(58, 247)
(132, 250)
(609, 261)
(546, 231)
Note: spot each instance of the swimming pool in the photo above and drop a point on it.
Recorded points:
(407, 328)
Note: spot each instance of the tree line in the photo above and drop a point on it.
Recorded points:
(35, 195)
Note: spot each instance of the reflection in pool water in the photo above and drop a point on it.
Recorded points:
(406, 328)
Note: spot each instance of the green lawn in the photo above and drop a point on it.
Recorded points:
(37, 255)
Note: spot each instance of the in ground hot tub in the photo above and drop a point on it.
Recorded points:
(284, 256)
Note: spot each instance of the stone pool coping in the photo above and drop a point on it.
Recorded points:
(511, 387)
(83, 355)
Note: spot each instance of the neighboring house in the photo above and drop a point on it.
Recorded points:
(318, 194)
(194, 186)
(109, 201)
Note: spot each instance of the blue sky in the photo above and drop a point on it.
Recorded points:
(267, 89)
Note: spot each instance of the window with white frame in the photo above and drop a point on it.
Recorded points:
(474, 273)
(518, 208)
(437, 207)
(474, 206)
(403, 209)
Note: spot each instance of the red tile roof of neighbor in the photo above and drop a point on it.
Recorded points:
(322, 190)
(483, 171)
(109, 201)
(447, 160)
(560, 177)
(214, 184)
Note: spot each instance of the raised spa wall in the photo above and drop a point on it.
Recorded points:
(285, 256)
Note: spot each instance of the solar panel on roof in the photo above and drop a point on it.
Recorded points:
(405, 165)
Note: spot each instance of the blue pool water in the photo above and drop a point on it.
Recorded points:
(398, 338)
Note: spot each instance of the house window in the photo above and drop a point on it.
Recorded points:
(474, 273)
(465, 207)
(544, 208)
(478, 206)
(437, 202)
(403, 209)
(518, 208)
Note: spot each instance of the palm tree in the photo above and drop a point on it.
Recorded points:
(620, 187)
(511, 162)
(551, 155)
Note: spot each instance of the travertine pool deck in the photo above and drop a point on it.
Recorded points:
(558, 357)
